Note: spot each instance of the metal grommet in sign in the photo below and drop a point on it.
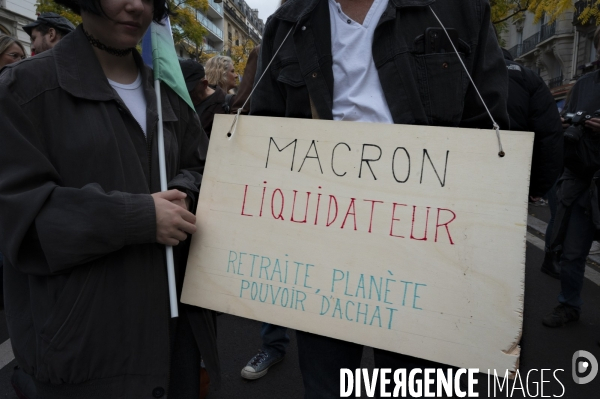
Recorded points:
(445, 65)
(501, 154)
(228, 134)
(304, 28)
(314, 75)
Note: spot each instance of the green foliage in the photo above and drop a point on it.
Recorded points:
(503, 10)
(591, 11)
(187, 31)
(51, 6)
(239, 55)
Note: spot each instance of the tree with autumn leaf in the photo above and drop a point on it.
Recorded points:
(187, 31)
(51, 6)
(504, 10)
(591, 11)
(239, 54)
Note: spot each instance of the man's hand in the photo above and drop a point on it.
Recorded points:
(173, 221)
(593, 124)
(564, 125)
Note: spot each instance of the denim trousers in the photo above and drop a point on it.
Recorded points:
(274, 338)
(575, 249)
(321, 359)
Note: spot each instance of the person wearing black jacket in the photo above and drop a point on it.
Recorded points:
(84, 221)
(578, 213)
(532, 108)
(314, 74)
(207, 101)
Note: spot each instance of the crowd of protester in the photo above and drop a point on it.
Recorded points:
(83, 220)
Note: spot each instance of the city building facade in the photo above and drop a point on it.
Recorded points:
(241, 24)
(14, 14)
(212, 21)
(560, 51)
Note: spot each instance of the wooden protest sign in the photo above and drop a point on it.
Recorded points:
(405, 238)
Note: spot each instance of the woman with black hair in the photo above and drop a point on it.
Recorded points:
(84, 223)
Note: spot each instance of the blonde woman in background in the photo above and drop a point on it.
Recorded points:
(220, 72)
(11, 50)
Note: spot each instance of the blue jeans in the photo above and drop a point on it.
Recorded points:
(575, 249)
(321, 359)
(274, 338)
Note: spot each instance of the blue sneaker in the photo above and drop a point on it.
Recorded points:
(259, 364)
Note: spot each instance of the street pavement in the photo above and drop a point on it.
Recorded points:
(541, 347)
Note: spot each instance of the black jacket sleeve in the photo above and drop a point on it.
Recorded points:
(193, 150)
(47, 228)
(544, 121)
(490, 76)
(268, 99)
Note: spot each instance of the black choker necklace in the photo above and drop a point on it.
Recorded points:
(110, 50)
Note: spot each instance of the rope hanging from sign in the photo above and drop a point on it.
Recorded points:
(495, 125)
(237, 115)
(501, 152)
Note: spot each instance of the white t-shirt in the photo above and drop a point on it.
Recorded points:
(133, 97)
(357, 92)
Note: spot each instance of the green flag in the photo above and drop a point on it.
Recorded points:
(158, 51)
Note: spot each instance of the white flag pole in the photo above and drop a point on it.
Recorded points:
(163, 187)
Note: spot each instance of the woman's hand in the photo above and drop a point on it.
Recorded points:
(173, 221)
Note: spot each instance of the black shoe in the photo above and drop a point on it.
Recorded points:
(560, 316)
(551, 265)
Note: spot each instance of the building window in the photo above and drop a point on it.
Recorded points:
(592, 50)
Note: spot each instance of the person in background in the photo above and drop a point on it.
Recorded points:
(47, 31)
(275, 339)
(247, 83)
(207, 101)
(220, 73)
(577, 215)
(531, 108)
(11, 50)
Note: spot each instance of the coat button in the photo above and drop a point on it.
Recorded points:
(158, 392)
(314, 75)
(445, 65)
(304, 28)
